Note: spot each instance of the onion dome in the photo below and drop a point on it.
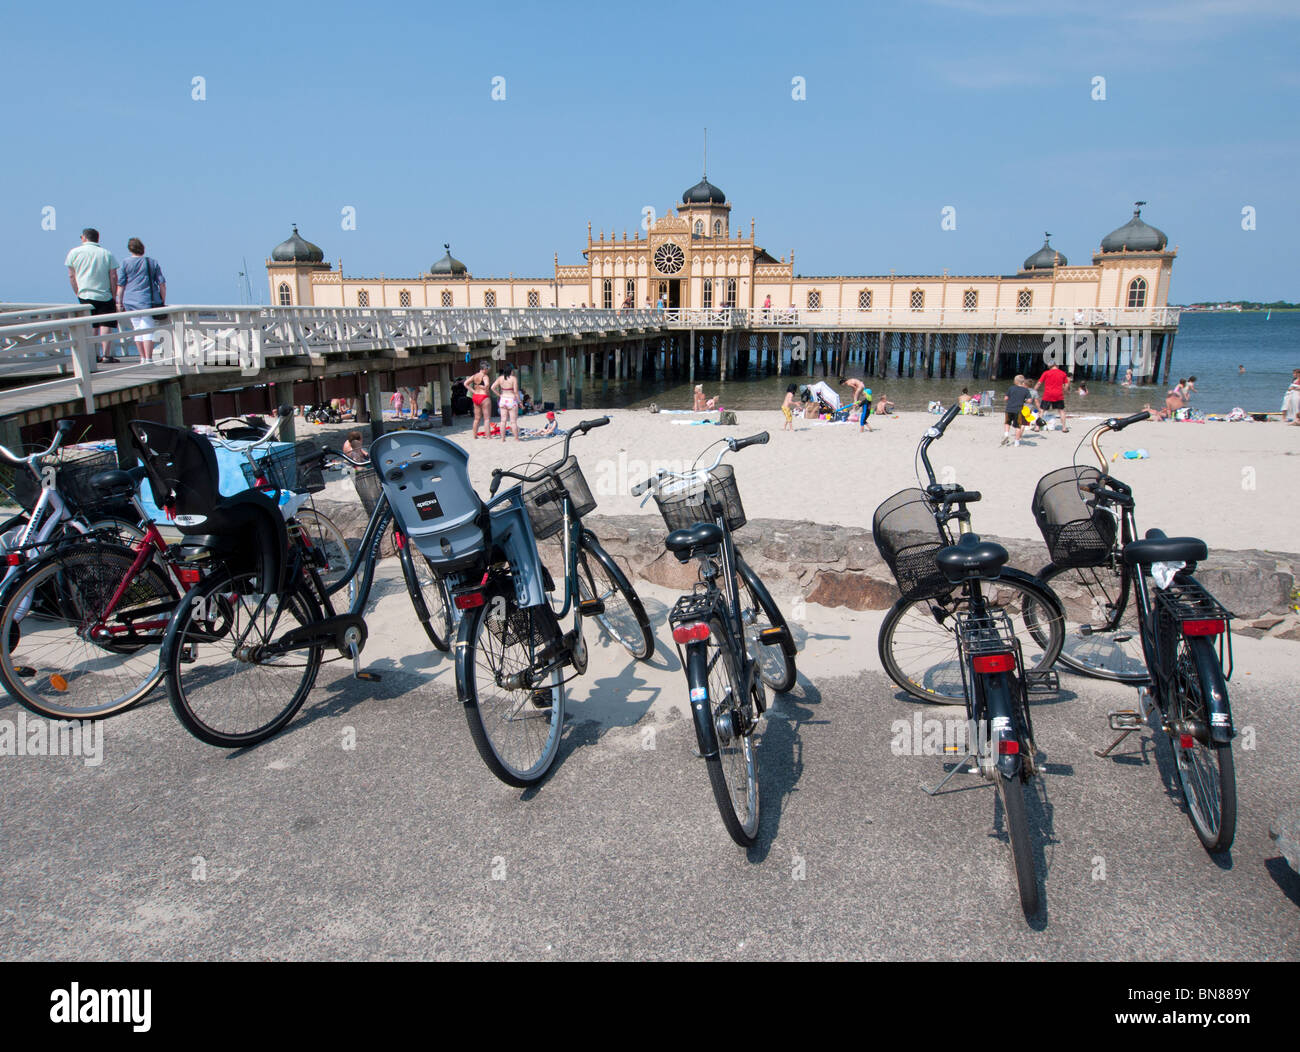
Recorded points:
(448, 264)
(297, 250)
(704, 193)
(1135, 236)
(1045, 258)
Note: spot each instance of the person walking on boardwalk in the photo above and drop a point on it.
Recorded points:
(92, 272)
(141, 285)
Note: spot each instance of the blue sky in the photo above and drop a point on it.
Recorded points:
(982, 106)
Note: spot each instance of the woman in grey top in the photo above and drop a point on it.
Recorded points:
(141, 285)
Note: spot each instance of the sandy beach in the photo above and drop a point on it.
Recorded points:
(1234, 485)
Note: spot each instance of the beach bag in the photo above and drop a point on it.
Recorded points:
(726, 416)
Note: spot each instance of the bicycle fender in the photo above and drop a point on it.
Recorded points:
(697, 679)
(464, 636)
(1215, 690)
(1002, 723)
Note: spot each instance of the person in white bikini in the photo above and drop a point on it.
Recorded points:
(506, 387)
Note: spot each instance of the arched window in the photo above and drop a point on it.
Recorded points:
(363, 298)
(864, 299)
(286, 296)
(717, 228)
(970, 299)
(631, 290)
(534, 298)
(731, 292)
(918, 299)
(607, 294)
(1137, 292)
(1024, 299)
(445, 298)
(699, 228)
(404, 298)
(708, 293)
(814, 299)
(490, 298)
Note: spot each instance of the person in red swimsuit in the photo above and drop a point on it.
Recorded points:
(477, 387)
(1054, 382)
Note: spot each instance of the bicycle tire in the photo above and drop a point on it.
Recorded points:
(919, 651)
(421, 578)
(326, 536)
(1206, 769)
(52, 667)
(600, 577)
(516, 732)
(733, 771)
(1106, 643)
(775, 662)
(222, 699)
(1011, 791)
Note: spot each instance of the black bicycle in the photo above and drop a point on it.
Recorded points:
(730, 633)
(990, 662)
(1142, 618)
(918, 637)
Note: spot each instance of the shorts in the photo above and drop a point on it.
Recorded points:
(143, 326)
(866, 412)
(1014, 419)
(1059, 404)
(507, 401)
(789, 415)
(101, 307)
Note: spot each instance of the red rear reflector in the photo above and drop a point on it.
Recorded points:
(994, 662)
(14, 558)
(190, 576)
(469, 600)
(1208, 627)
(1186, 741)
(690, 633)
(1008, 747)
(397, 539)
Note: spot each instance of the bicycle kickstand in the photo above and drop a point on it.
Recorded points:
(963, 767)
(369, 677)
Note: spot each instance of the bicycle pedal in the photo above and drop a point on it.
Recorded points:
(772, 635)
(1124, 719)
(591, 607)
(25, 671)
(1043, 681)
(1124, 638)
(369, 677)
(542, 699)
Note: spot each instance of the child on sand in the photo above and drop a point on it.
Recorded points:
(1015, 398)
(787, 408)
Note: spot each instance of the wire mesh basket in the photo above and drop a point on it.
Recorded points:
(909, 537)
(369, 488)
(278, 466)
(1186, 600)
(1076, 531)
(70, 471)
(544, 502)
(311, 471)
(690, 501)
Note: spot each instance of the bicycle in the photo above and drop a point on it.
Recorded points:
(1088, 520)
(995, 681)
(727, 653)
(918, 639)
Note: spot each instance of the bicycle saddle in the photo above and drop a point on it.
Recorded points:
(971, 557)
(701, 535)
(115, 485)
(1157, 548)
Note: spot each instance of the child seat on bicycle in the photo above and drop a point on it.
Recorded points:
(247, 530)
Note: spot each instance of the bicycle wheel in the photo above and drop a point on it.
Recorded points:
(1102, 636)
(1205, 767)
(1011, 791)
(624, 619)
(329, 539)
(919, 650)
(420, 577)
(733, 773)
(66, 659)
(223, 688)
(515, 729)
(758, 611)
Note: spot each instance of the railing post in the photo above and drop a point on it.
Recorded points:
(81, 364)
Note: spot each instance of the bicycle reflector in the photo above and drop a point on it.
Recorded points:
(189, 575)
(469, 600)
(985, 663)
(692, 633)
(14, 558)
(1008, 747)
(1204, 627)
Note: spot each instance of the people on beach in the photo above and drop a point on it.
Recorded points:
(1128, 378)
(1291, 400)
(698, 405)
(1083, 389)
(1054, 382)
(1018, 394)
(787, 407)
(1175, 399)
(1189, 388)
(506, 387)
(92, 272)
(141, 285)
(1241, 370)
(861, 398)
(354, 446)
(881, 404)
(477, 388)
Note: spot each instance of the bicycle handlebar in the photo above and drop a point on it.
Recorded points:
(282, 414)
(578, 429)
(1114, 424)
(732, 445)
(60, 433)
(737, 444)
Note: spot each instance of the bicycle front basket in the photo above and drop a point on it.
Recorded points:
(543, 498)
(1077, 533)
(369, 488)
(683, 508)
(908, 538)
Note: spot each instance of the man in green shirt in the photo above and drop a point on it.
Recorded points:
(92, 272)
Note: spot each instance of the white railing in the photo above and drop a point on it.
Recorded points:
(190, 339)
(902, 318)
